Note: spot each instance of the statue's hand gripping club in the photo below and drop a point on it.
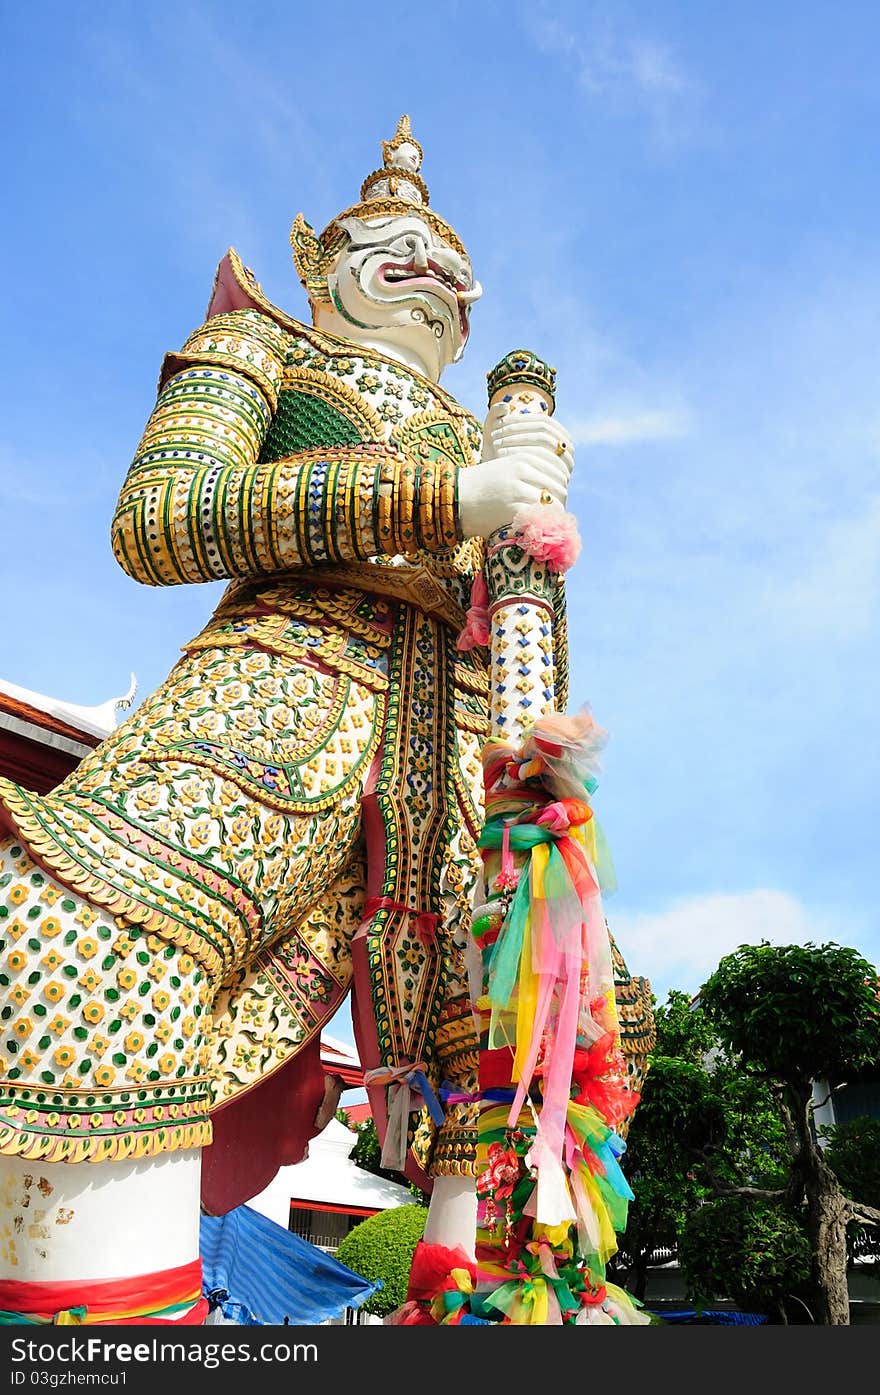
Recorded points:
(530, 457)
(527, 455)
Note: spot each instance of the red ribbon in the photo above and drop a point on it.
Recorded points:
(431, 1269)
(143, 1293)
(426, 921)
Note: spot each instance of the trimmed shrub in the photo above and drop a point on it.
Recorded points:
(382, 1248)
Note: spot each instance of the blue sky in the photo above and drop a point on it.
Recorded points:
(676, 203)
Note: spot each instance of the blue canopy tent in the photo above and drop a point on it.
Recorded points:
(259, 1274)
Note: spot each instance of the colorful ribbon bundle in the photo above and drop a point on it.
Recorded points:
(552, 1076)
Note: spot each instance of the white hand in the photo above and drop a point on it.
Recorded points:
(490, 493)
(504, 431)
(520, 465)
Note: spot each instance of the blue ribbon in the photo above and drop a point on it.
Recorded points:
(434, 1107)
(497, 1095)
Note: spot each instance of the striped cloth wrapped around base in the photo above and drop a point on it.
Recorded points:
(167, 1296)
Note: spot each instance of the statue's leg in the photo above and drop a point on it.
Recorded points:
(101, 1071)
(281, 1001)
(209, 822)
(408, 954)
(270, 1091)
(93, 1220)
(452, 1214)
(447, 1250)
(78, 1223)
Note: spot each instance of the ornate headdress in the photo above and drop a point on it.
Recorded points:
(394, 190)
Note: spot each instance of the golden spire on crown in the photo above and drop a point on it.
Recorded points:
(402, 136)
(396, 190)
(399, 176)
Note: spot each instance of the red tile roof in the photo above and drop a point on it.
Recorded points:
(358, 1113)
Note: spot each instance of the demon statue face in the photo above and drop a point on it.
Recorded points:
(389, 272)
(401, 282)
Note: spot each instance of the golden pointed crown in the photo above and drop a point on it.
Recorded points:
(394, 190)
(399, 176)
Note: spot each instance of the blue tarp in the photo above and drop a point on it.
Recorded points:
(258, 1273)
(712, 1317)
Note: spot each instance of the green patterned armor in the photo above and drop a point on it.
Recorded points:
(322, 732)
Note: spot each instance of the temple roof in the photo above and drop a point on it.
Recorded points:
(328, 1177)
(67, 719)
(339, 1058)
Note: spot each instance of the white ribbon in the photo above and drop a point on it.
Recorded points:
(403, 1098)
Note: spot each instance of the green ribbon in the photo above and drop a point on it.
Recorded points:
(504, 957)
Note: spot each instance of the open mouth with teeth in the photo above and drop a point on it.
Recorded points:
(429, 278)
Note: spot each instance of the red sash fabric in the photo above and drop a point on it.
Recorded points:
(124, 1301)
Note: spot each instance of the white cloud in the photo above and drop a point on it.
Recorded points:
(619, 68)
(679, 947)
(607, 59)
(654, 67)
(622, 428)
(838, 590)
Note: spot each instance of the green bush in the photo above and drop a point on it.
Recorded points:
(382, 1248)
(744, 1248)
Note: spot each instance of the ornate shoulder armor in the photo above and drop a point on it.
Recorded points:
(241, 341)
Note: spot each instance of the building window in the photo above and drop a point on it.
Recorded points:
(326, 1229)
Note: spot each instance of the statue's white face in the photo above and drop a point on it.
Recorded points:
(398, 281)
(405, 157)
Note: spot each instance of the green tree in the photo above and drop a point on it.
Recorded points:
(750, 1144)
(683, 1029)
(382, 1248)
(752, 1251)
(790, 1015)
(853, 1154)
(700, 1123)
(367, 1153)
(678, 1116)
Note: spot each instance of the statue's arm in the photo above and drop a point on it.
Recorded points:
(198, 504)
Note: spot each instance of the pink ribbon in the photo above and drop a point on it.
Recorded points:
(476, 630)
(554, 817)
